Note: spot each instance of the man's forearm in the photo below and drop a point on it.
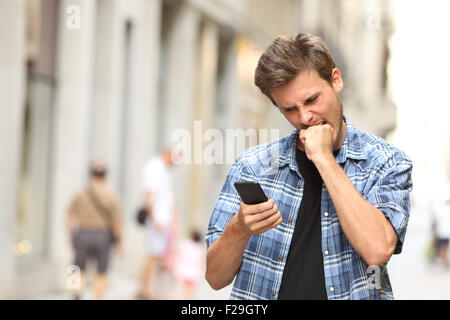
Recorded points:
(224, 256)
(367, 229)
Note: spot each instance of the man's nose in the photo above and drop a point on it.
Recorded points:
(305, 117)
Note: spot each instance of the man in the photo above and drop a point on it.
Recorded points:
(92, 222)
(159, 200)
(338, 200)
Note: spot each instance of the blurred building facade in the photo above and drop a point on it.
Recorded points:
(112, 80)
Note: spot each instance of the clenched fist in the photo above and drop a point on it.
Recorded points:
(317, 141)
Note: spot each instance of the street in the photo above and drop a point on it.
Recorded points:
(412, 277)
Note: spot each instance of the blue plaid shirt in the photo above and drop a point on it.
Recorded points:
(379, 171)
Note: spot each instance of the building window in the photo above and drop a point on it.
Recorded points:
(32, 225)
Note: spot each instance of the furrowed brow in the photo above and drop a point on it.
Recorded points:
(309, 99)
(312, 97)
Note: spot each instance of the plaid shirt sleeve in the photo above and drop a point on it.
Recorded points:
(390, 193)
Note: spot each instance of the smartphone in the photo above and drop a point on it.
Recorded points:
(250, 192)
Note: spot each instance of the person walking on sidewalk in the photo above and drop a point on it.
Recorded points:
(161, 223)
(94, 225)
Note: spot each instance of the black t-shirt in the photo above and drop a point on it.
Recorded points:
(303, 276)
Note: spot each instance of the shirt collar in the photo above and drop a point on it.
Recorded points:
(351, 147)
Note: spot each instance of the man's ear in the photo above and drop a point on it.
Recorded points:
(336, 80)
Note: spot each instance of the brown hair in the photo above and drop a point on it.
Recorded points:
(286, 57)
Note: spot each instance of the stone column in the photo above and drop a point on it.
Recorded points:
(125, 108)
(181, 50)
(106, 124)
(140, 142)
(12, 93)
(201, 171)
(73, 103)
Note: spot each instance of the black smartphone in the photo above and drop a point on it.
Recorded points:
(250, 192)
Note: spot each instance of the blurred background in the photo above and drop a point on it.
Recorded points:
(82, 80)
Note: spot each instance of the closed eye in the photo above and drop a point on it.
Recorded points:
(312, 99)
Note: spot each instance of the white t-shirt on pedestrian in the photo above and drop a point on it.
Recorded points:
(156, 180)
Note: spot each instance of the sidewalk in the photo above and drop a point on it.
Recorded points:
(123, 288)
(412, 277)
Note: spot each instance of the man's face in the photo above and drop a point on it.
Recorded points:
(309, 100)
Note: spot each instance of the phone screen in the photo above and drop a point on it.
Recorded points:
(251, 192)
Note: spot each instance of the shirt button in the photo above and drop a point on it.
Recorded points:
(289, 221)
(299, 186)
(280, 258)
(326, 214)
(273, 294)
(326, 252)
(332, 289)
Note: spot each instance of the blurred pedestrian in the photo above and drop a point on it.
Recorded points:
(440, 210)
(159, 200)
(93, 223)
(189, 261)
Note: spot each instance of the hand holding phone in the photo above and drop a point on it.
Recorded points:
(257, 213)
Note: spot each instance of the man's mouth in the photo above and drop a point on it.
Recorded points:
(317, 123)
